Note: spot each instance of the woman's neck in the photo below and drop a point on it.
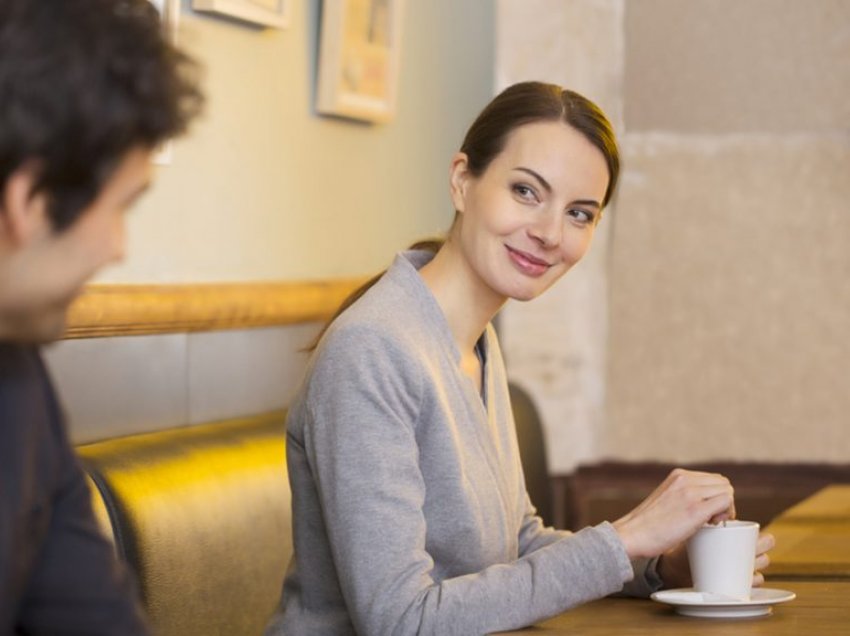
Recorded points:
(466, 301)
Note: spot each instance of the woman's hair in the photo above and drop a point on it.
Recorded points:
(530, 102)
(518, 105)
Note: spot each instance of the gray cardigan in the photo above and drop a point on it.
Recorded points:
(410, 514)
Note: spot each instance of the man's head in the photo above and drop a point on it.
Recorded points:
(88, 88)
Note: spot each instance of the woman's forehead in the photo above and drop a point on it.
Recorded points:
(540, 137)
(552, 148)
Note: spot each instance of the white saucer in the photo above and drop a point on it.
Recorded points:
(688, 602)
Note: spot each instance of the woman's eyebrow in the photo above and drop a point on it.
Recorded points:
(548, 188)
(542, 181)
(588, 202)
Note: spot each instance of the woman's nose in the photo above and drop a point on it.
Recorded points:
(546, 230)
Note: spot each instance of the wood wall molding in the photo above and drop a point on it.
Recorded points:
(128, 310)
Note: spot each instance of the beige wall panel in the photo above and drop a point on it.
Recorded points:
(737, 65)
(111, 387)
(577, 44)
(555, 345)
(730, 300)
(234, 373)
(117, 386)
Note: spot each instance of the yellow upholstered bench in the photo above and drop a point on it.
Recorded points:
(202, 514)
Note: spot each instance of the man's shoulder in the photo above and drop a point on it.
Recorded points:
(15, 357)
(29, 411)
(23, 377)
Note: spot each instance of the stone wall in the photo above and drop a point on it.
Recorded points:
(708, 321)
(730, 269)
(555, 346)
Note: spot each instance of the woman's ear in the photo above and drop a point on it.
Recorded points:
(459, 177)
(23, 214)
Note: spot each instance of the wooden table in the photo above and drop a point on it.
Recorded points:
(813, 538)
(822, 608)
(830, 505)
(810, 551)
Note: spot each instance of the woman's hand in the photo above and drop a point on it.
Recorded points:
(765, 544)
(683, 502)
(675, 571)
(674, 568)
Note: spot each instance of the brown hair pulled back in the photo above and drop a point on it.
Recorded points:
(530, 102)
(517, 105)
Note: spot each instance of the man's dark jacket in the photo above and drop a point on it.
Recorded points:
(58, 575)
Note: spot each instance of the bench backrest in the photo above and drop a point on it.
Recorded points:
(202, 514)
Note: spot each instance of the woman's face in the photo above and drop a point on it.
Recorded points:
(532, 213)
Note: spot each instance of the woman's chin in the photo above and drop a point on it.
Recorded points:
(524, 294)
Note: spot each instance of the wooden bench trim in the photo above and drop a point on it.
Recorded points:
(129, 310)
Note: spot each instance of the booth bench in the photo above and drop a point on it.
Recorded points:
(202, 515)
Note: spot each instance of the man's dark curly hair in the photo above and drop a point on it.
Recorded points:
(82, 82)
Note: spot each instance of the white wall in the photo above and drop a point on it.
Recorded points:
(266, 189)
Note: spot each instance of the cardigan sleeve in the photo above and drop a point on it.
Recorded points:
(534, 535)
(361, 445)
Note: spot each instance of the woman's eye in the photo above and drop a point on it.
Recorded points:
(524, 191)
(583, 216)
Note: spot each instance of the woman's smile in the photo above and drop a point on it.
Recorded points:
(526, 263)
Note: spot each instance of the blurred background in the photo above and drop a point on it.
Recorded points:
(708, 323)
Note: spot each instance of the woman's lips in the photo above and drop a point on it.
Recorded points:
(526, 263)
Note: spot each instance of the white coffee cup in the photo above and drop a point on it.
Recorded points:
(722, 558)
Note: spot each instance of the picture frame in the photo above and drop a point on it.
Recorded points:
(359, 59)
(169, 10)
(269, 13)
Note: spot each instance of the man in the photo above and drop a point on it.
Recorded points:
(88, 89)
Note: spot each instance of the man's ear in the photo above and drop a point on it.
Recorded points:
(23, 215)
(459, 177)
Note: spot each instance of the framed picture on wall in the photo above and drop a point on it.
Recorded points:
(359, 52)
(170, 12)
(271, 13)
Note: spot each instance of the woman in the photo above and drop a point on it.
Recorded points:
(409, 506)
